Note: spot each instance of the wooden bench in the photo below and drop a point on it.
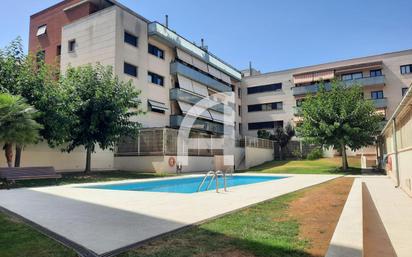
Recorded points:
(27, 173)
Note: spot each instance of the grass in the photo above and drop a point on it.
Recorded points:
(320, 166)
(75, 178)
(18, 239)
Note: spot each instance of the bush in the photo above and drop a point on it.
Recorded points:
(315, 154)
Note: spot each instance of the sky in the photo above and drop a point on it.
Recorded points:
(272, 34)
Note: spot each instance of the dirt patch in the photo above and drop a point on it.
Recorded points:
(318, 211)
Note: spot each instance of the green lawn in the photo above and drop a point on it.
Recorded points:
(321, 166)
(74, 178)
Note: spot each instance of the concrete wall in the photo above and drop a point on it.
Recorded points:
(399, 157)
(257, 156)
(160, 164)
(42, 155)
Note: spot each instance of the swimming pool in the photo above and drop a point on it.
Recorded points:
(185, 185)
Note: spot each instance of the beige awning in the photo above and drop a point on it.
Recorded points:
(313, 76)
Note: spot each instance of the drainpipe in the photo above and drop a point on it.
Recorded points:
(395, 146)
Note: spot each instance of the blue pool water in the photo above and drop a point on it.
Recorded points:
(185, 185)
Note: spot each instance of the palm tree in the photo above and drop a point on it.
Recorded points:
(17, 124)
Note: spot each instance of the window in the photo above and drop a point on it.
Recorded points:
(239, 93)
(376, 73)
(154, 50)
(130, 39)
(264, 88)
(405, 69)
(59, 50)
(351, 76)
(130, 69)
(240, 128)
(72, 45)
(265, 107)
(265, 125)
(377, 94)
(40, 56)
(41, 30)
(155, 78)
(404, 89)
(239, 107)
(155, 106)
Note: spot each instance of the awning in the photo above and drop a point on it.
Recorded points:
(195, 111)
(187, 58)
(222, 118)
(42, 30)
(214, 72)
(313, 76)
(192, 86)
(200, 89)
(157, 105)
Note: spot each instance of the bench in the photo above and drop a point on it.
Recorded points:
(27, 173)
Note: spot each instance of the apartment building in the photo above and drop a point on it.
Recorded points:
(273, 99)
(173, 74)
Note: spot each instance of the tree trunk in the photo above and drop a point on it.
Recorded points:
(18, 156)
(344, 158)
(8, 151)
(280, 152)
(88, 159)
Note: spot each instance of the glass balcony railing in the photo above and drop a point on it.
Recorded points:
(204, 125)
(179, 68)
(176, 94)
(172, 38)
(364, 82)
(380, 103)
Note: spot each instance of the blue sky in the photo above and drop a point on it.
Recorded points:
(273, 34)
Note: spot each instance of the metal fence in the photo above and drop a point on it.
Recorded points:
(163, 141)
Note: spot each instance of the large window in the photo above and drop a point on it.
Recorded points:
(154, 50)
(155, 78)
(130, 39)
(264, 88)
(265, 125)
(265, 107)
(130, 69)
(351, 76)
(376, 73)
(405, 69)
(377, 94)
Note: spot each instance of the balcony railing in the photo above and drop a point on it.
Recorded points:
(179, 68)
(203, 125)
(364, 82)
(173, 39)
(380, 103)
(177, 94)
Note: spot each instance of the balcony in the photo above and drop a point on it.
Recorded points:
(177, 94)
(363, 82)
(203, 125)
(380, 103)
(173, 39)
(179, 68)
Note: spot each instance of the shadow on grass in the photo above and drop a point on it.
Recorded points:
(81, 177)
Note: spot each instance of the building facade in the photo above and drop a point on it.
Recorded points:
(173, 74)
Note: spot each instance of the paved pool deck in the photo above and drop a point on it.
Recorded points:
(103, 222)
(394, 208)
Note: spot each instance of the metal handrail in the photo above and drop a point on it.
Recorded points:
(215, 175)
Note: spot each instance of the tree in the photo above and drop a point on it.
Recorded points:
(264, 134)
(282, 135)
(102, 108)
(339, 118)
(17, 124)
(30, 77)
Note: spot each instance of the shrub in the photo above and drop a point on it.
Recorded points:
(315, 154)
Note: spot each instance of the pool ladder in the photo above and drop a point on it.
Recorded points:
(215, 176)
